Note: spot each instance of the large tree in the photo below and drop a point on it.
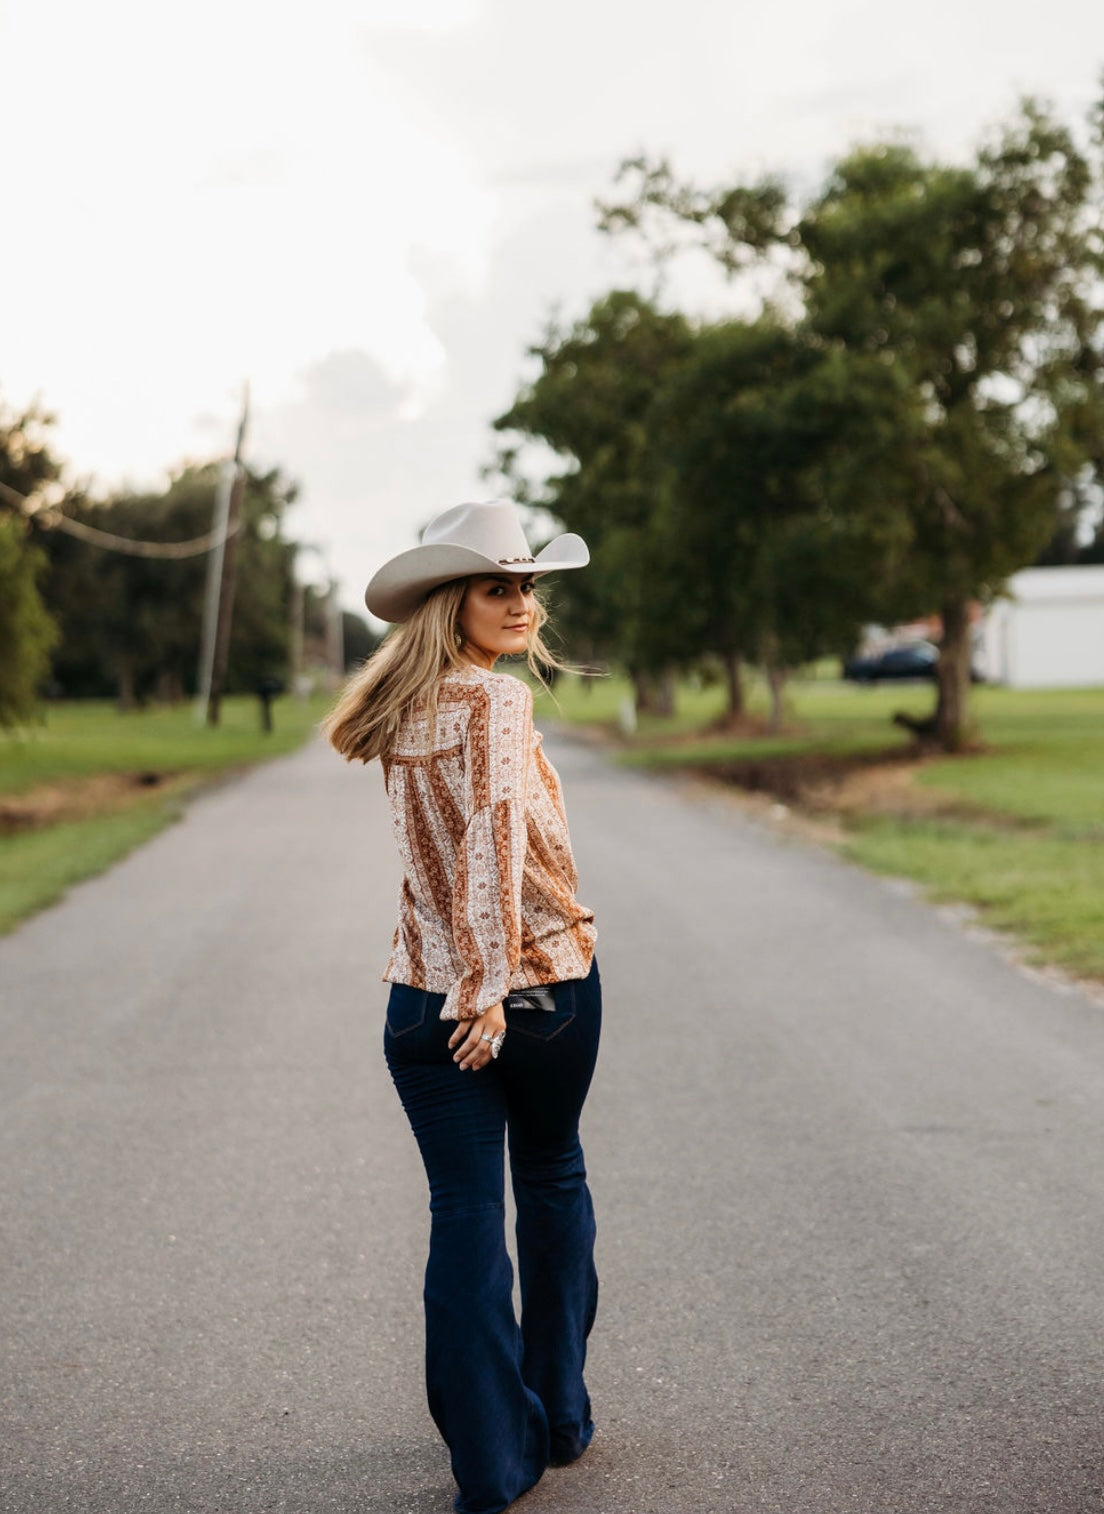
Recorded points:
(979, 289)
(772, 447)
(591, 403)
(706, 467)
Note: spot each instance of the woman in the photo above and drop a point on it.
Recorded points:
(495, 1005)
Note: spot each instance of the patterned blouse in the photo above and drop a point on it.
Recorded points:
(487, 902)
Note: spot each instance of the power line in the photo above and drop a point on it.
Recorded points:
(53, 519)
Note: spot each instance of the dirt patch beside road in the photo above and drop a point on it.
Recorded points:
(97, 794)
(826, 787)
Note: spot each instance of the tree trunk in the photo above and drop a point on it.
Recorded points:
(169, 689)
(949, 725)
(776, 679)
(776, 683)
(732, 663)
(952, 711)
(124, 674)
(654, 692)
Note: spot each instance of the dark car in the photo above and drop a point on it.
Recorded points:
(918, 660)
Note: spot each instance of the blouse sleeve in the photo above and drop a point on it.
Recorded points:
(486, 906)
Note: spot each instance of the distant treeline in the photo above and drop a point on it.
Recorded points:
(78, 619)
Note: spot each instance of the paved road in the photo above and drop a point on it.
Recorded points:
(847, 1164)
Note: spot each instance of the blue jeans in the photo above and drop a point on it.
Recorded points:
(507, 1400)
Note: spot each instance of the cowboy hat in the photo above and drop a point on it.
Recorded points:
(465, 540)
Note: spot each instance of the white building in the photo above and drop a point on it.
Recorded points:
(1049, 633)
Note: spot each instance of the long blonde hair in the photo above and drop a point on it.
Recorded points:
(408, 667)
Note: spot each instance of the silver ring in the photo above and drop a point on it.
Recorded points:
(486, 1037)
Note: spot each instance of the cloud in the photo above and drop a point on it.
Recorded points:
(375, 469)
(221, 192)
(352, 383)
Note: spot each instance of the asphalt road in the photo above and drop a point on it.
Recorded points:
(847, 1163)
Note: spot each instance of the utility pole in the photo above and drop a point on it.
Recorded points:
(214, 583)
(220, 654)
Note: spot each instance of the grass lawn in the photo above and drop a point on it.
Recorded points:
(84, 737)
(37, 866)
(1046, 888)
(822, 715)
(89, 784)
(1016, 829)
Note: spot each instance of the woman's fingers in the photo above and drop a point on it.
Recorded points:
(472, 1051)
(469, 1048)
(464, 1032)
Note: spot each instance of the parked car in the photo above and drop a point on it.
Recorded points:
(916, 660)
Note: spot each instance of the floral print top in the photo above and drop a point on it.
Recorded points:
(487, 902)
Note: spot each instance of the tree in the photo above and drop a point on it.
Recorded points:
(978, 288)
(765, 432)
(259, 645)
(708, 466)
(591, 403)
(980, 281)
(27, 631)
(358, 640)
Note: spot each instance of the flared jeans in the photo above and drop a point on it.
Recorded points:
(507, 1398)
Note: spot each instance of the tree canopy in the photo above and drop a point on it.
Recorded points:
(591, 403)
(910, 420)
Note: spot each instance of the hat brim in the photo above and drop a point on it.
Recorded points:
(400, 586)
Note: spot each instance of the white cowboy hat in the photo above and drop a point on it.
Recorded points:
(465, 540)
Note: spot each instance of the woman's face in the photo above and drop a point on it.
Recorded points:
(495, 616)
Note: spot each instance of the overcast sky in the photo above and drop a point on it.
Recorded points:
(369, 208)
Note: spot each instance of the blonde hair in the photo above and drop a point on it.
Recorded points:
(408, 667)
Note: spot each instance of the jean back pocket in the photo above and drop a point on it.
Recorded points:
(406, 1008)
(543, 1024)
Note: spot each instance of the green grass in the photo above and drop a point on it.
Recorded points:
(1044, 758)
(36, 867)
(76, 741)
(1047, 890)
(1029, 854)
(821, 715)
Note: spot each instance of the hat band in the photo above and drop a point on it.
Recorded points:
(503, 561)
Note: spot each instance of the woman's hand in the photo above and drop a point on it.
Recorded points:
(471, 1050)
